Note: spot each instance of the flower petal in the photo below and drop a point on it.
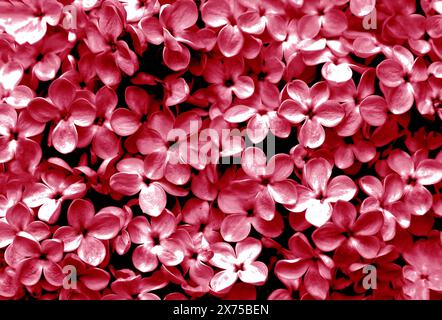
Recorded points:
(71, 238)
(328, 237)
(368, 224)
(341, 188)
(429, 172)
(293, 111)
(230, 41)
(30, 272)
(264, 205)
(82, 112)
(126, 183)
(329, 114)
(315, 284)
(248, 250)
(390, 73)
(152, 199)
(171, 253)
(95, 279)
(312, 134)
(235, 227)
(254, 273)
(92, 251)
(318, 213)
(80, 214)
(104, 226)
(42, 110)
(143, 259)
(283, 192)
(223, 280)
(239, 113)
(317, 172)
(401, 163)
(374, 110)
(65, 137)
(62, 93)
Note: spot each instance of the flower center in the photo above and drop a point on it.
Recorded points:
(155, 239)
(228, 83)
(14, 135)
(194, 255)
(99, 121)
(411, 181)
(239, 267)
(310, 113)
(262, 76)
(265, 181)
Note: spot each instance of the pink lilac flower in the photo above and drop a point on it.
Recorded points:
(47, 55)
(423, 272)
(66, 110)
(197, 253)
(386, 196)
(223, 14)
(429, 97)
(11, 92)
(237, 226)
(399, 74)
(270, 180)
(59, 184)
(19, 219)
(261, 119)
(309, 263)
(317, 195)
(349, 232)
(406, 15)
(416, 173)
(351, 152)
(269, 70)
(171, 28)
(113, 56)
(227, 78)
(87, 231)
(209, 182)
(104, 141)
(15, 133)
(34, 260)
(239, 263)
(155, 242)
(263, 15)
(89, 280)
(202, 219)
(163, 157)
(360, 104)
(121, 242)
(312, 108)
(299, 48)
(126, 122)
(239, 203)
(27, 21)
(322, 16)
(152, 198)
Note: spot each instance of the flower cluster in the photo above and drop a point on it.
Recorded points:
(236, 149)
